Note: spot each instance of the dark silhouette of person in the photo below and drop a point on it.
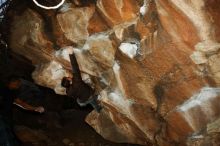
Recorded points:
(76, 88)
(9, 96)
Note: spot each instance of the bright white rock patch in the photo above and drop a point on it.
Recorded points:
(208, 46)
(64, 53)
(144, 8)
(65, 7)
(116, 69)
(116, 99)
(201, 108)
(198, 57)
(129, 49)
(202, 97)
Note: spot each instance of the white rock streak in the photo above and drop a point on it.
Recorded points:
(48, 8)
(194, 10)
(202, 97)
(129, 49)
(200, 103)
(118, 97)
(144, 8)
(198, 57)
(120, 102)
(116, 69)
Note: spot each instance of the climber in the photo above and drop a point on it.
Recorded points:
(8, 97)
(76, 88)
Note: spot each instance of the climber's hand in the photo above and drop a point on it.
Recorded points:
(39, 109)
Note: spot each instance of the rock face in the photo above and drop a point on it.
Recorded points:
(50, 75)
(29, 38)
(74, 23)
(154, 63)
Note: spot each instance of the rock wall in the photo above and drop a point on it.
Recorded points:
(155, 64)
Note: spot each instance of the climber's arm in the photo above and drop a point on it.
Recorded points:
(28, 107)
(75, 67)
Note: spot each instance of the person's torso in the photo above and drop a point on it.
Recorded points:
(27, 86)
(28, 90)
(80, 90)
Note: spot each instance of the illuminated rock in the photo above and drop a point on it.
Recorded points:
(74, 23)
(50, 75)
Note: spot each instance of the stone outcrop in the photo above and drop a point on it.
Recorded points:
(50, 75)
(28, 37)
(74, 23)
(154, 63)
(118, 11)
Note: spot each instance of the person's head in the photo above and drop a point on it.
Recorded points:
(13, 82)
(66, 82)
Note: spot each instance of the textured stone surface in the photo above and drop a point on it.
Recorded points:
(196, 112)
(74, 23)
(154, 63)
(50, 75)
(118, 11)
(28, 37)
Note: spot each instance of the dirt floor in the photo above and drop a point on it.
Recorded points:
(63, 122)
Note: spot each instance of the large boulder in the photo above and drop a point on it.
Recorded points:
(74, 22)
(50, 75)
